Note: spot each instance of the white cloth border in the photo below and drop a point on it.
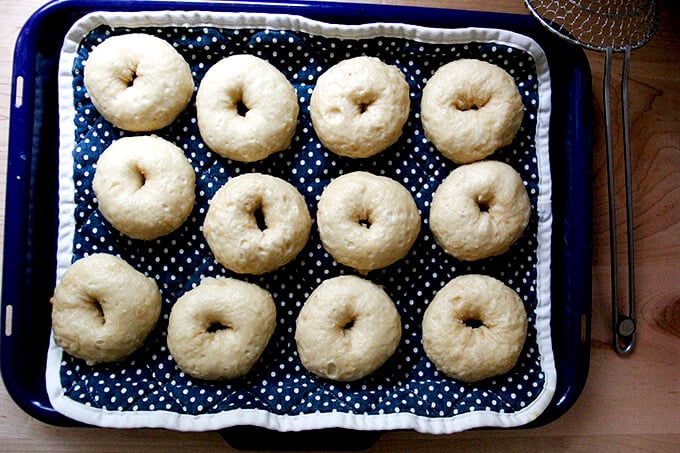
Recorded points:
(259, 417)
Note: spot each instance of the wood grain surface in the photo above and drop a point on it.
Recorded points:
(629, 403)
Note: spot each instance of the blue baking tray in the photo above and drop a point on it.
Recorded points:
(31, 194)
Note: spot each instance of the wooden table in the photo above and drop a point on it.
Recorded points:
(629, 403)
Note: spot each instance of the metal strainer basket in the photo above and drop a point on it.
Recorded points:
(608, 26)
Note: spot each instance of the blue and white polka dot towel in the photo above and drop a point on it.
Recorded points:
(148, 390)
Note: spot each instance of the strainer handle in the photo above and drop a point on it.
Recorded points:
(623, 326)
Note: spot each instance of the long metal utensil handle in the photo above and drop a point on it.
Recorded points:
(623, 326)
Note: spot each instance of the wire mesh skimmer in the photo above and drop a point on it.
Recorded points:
(608, 26)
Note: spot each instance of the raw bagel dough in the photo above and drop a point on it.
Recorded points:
(144, 186)
(366, 221)
(471, 108)
(138, 82)
(359, 106)
(479, 210)
(231, 224)
(246, 83)
(347, 329)
(103, 309)
(219, 329)
(474, 328)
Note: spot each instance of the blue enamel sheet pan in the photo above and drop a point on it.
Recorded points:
(31, 200)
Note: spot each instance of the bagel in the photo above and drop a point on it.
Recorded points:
(103, 309)
(479, 210)
(474, 328)
(359, 107)
(366, 221)
(246, 109)
(219, 329)
(138, 82)
(256, 223)
(469, 109)
(144, 186)
(347, 329)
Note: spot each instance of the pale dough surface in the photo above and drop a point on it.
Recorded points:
(366, 221)
(359, 106)
(103, 309)
(231, 224)
(471, 108)
(144, 186)
(219, 329)
(246, 108)
(472, 354)
(479, 210)
(347, 329)
(138, 82)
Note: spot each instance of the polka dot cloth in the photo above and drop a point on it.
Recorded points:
(408, 383)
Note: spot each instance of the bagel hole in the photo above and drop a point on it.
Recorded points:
(142, 179)
(483, 204)
(138, 173)
(216, 327)
(348, 325)
(465, 104)
(97, 305)
(365, 223)
(259, 218)
(132, 79)
(473, 323)
(364, 99)
(241, 108)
